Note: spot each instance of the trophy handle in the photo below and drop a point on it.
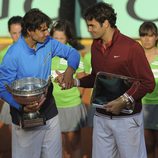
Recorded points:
(49, 80)
(9, 88)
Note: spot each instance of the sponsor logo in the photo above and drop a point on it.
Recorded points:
(116, 56)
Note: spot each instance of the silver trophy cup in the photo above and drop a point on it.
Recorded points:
(27, 91)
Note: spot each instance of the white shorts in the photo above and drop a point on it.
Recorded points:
(39, 142)
(119, 137)
(72, 118)
(5, 114)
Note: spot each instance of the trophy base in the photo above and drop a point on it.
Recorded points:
(27, 122)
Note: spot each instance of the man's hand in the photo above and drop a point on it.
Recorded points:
(115, 106)
(68, 78)
(59, 78)
(65, 80)
(35, 106)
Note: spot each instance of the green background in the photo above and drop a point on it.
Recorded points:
(144, 9)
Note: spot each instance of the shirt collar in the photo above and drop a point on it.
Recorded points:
(31, 50)
(110, 43)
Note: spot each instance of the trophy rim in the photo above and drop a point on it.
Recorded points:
(18, 92)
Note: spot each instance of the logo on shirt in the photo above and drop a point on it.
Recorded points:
(46, 58)
(116, 56)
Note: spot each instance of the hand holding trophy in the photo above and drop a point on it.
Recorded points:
(30, 93)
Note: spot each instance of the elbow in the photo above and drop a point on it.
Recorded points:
(152, 87)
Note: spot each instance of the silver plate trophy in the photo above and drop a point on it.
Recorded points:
(108, 87)
(27, 91)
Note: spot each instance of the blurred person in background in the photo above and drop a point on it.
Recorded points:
(72, 113)
(88, 91)
(148, 33)
(67, 11)
(14, 28)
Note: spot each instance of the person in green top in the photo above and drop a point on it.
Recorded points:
(87, 63)
(149, 36)
(72, 113)
(88, 91)
(14, 28)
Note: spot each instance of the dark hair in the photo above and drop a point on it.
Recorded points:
(100, 12)
(33, 20)
(64, 26)
(15, 20)
(146, 28)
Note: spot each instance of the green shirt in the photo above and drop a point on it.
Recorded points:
(87, 63)
(2, 53)
(152, 98)
(65, 98)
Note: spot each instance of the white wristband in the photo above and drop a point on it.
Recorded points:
(77, 82)
(130, 98)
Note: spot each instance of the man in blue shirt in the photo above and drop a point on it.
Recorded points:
(31, 56)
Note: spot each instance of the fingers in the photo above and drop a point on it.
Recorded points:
(58, 72)
(63, 86)
(67, 85)
(65, 80)
(35, 106)
(113, 107)
(30, 108)
(59, 78)
(108, 107)
(43, 98)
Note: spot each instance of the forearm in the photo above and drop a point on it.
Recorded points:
(70, 70)
(73, 59)
(10, 100)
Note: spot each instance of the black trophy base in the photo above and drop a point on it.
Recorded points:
(33, 120)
